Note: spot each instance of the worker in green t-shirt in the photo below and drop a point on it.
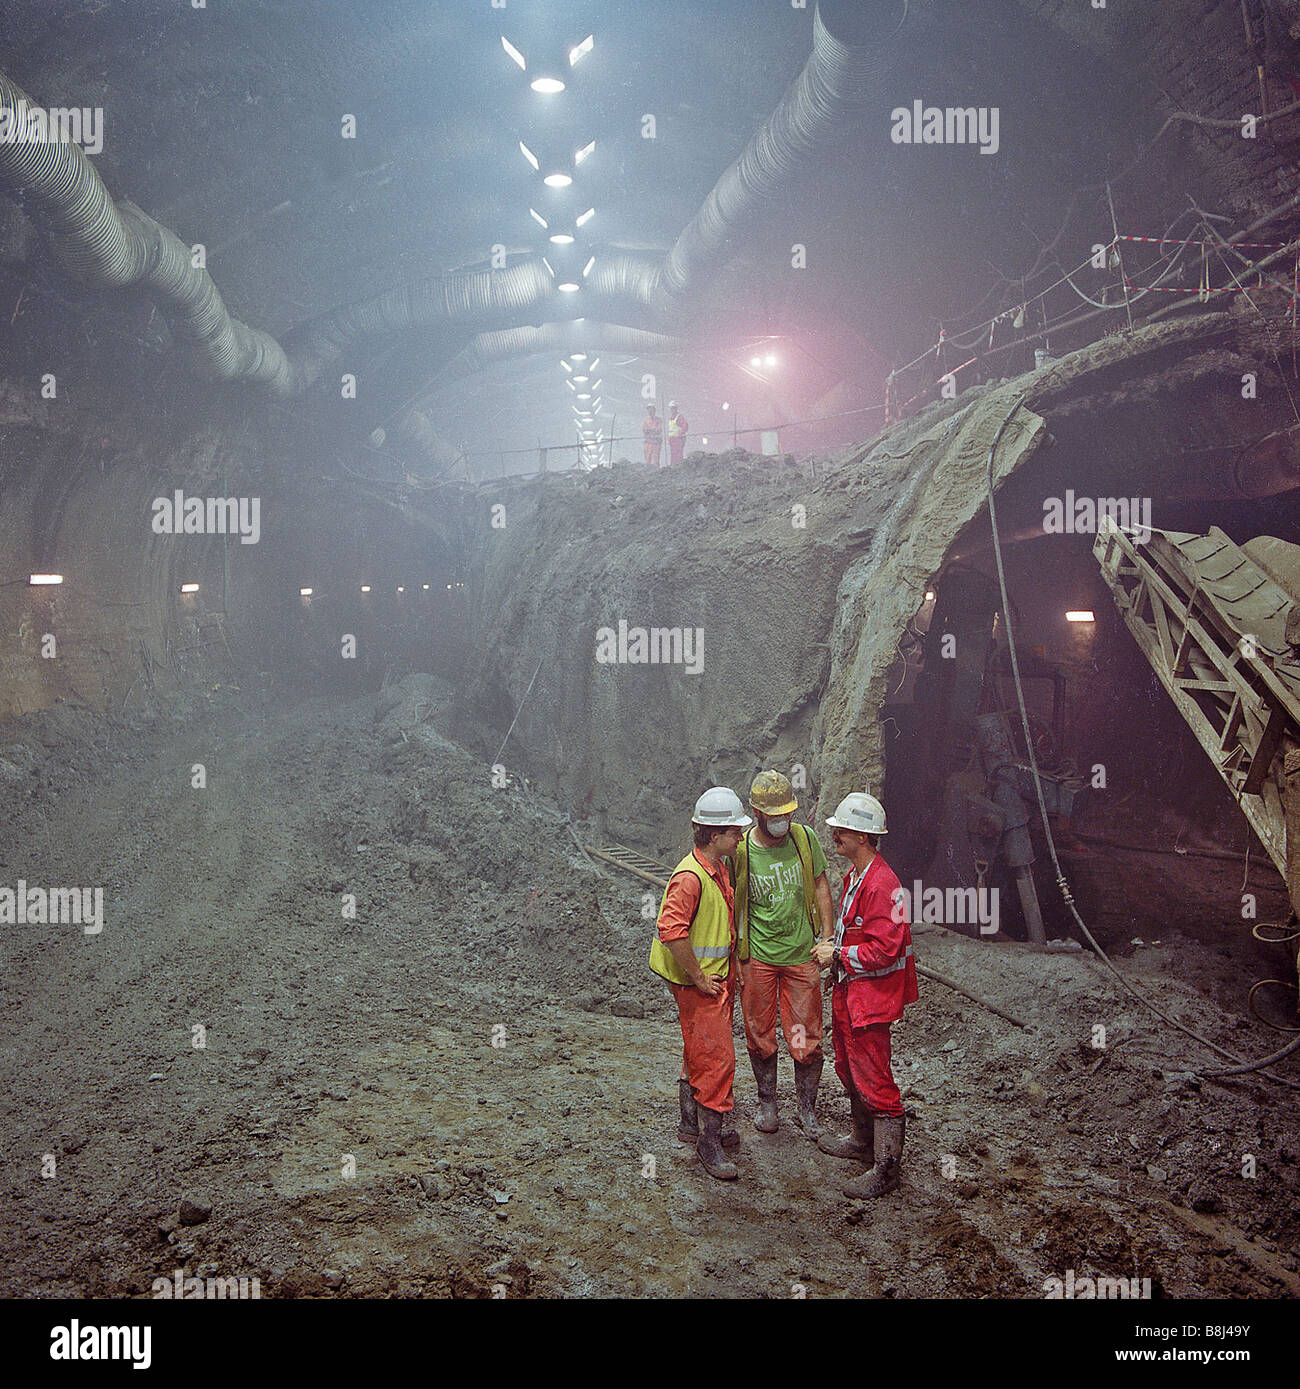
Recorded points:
(783, 902)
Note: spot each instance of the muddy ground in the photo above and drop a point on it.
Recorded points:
(544, 1164)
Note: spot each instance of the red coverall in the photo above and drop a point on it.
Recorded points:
(872, 942)
(708, 1052)
(652, 432)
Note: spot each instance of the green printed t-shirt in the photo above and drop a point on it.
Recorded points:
(779, 930)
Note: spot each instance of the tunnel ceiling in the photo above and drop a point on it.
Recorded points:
(225, 125)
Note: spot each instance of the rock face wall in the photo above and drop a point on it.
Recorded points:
(800, 578)
(797, 587)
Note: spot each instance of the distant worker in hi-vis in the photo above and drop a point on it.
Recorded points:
(874, 979)
(676, 433)
(695, 950)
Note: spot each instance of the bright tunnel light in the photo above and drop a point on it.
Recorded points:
(585, 152)
(561, 239)
(530, 156)
(586, 217)
(568, 287)
(557, 180)
(365, 588)
(37, 579)
(189, 588)
(579, 51)
(1079, 617)
(538, 218)
(546, 85)
(304, 593)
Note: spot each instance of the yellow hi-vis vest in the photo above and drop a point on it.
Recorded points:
(740, 881)
(710, 929)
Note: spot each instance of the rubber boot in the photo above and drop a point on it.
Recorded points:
(883, 1176)
(765, 1120)
(688, 1131)
(857, 1143)
(807, 1077)
(710, 1145)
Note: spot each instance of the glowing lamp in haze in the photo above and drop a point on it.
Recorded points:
(37, 580)
(1080, 616)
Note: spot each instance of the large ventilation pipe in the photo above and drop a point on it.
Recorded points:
(487, 348)
(108, 243)
(849, 55)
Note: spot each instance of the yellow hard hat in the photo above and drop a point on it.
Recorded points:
(772, 794)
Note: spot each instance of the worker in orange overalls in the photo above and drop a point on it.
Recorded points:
(783, 902)
(676, 433)
(652, 432)
(695, 951)
(874, 978)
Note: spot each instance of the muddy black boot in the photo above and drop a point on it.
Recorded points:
(710, 1145)
(688, 1131)
(883, 1176)
(765, 1120)
(807, 1077)
(857, 1143)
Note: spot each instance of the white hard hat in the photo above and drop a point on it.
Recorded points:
(858, 811)
(672, 405)
(720, 805)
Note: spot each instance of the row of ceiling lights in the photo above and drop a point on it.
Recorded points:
(564, 230)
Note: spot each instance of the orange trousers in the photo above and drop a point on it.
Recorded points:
(653, 447)
(797, 991)
(708, 1053)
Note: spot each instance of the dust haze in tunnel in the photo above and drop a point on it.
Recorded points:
(343, 794)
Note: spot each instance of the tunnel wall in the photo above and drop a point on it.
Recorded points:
(801, 622)
(78, 502)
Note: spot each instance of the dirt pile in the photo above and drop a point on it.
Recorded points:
(468, 1087)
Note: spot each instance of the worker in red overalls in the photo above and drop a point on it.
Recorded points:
(676, 433)
(874, 978)
(652, 433)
